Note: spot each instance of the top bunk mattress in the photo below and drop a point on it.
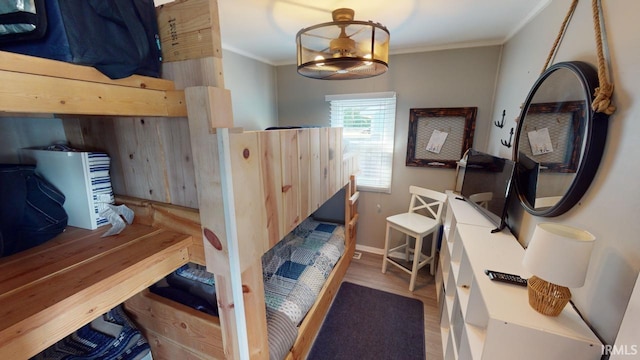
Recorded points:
(297, 267)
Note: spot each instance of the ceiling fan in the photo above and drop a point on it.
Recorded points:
(343, 49)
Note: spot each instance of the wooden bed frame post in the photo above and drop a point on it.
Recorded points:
(232, 244)
(206, 162)
(247, 287)
(237, 268)
(351, 209)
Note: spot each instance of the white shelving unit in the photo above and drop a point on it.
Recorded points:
(483, 319)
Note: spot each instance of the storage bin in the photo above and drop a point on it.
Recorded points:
(83, 178)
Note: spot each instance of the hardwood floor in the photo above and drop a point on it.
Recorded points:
(367, 272)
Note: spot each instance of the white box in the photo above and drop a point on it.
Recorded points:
(81, 176)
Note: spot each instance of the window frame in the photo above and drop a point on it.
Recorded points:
(381, 135)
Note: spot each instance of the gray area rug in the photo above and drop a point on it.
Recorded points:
(365, 323)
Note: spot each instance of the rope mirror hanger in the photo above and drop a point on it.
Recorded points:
(602, 96)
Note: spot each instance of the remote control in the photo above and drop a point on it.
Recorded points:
(507, 278)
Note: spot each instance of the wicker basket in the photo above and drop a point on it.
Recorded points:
(547, 298)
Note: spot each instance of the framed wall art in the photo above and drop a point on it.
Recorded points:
(438, 137)
(553, 134)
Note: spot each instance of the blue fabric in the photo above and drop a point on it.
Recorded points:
(290, 270)
(294, 272)
(325, 228)
(31, 211)
(88, 343)
(295, 269)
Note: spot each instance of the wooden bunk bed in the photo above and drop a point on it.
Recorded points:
(177, 331)
(202, 191)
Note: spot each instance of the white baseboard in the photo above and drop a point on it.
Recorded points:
(369, 249)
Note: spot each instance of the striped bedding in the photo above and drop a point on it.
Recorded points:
(294, 272)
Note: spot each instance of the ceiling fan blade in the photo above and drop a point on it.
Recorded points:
(324, 52)
(357, 32)
(318, 36)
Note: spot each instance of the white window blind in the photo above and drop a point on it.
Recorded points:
(368, 122)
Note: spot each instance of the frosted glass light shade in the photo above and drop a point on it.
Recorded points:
(559, 254)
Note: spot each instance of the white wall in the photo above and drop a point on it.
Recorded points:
(253, 91)
(451, 78)
(18, 133)
(611, 206)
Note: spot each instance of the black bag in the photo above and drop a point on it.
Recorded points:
(117, 37)
(31, 211)
(22, 20)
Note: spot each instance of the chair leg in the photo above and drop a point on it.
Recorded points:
(406, 247)
(416, 261)
(434, 244)
(386, 249)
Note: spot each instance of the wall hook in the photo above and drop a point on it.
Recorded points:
(501, 123)
(508, 144)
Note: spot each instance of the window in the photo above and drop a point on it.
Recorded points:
(368, 122)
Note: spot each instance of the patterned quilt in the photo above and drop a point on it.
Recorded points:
(297, 267)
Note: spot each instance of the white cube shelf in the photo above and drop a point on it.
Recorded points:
(484, 319)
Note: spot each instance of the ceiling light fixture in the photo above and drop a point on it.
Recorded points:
(343, 49)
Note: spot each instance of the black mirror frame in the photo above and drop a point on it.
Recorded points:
(596, 127)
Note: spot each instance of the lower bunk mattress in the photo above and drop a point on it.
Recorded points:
(295, 271)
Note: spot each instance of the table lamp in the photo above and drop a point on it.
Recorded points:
(558, 258)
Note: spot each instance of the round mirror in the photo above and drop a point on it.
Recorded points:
(559, 140)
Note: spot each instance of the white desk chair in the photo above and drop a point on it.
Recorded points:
(482, 198)
(417, 226)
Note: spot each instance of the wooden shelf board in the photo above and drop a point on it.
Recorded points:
(65, 283)
(28, 93)
(444, 332)
(60, 69)
(42, 86)
(475, 338)
(463, 297)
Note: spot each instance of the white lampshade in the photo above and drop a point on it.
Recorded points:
(559, 254)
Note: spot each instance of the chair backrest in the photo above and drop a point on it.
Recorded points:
(431, 200)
